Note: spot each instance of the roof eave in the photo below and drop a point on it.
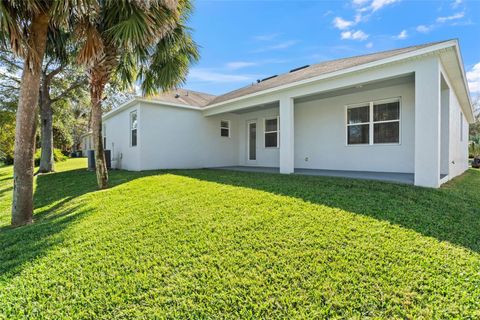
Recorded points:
(422, 51)
(465, 82)
(135, 100)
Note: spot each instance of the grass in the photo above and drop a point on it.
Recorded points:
(219, 244)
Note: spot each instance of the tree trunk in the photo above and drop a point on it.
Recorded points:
(46, 122)
(96, 92)
(47, 162)
(98, 76)
(22, 205)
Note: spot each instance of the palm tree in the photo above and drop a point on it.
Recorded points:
(24, 28)
(134, 41)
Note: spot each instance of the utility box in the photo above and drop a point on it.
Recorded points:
(91, 159)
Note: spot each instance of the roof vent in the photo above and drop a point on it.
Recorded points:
(300, 68)
(265, 79)
(258, 80)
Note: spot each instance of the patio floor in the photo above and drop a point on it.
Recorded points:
(406, 178)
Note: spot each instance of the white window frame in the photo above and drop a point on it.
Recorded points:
(265, 132)
(228, 128)
(104, 135)
(371, 123)
(131, 129)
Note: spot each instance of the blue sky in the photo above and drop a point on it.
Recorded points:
(242, 41)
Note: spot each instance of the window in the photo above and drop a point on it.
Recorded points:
(104, 132)
(358, 125)
(386, 122)
(374, 123)
(271, 133)
(225, 128)
(133, 128)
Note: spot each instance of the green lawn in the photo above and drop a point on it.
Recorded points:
(219, 244)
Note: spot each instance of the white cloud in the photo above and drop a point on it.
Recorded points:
(342, 24)
(423, 28)
(456, 3)
(278, 46)
(266, 37)
(360, 2)
(402, 35)
(378, 4)
(452, 17)
(354, 35)
(473, 78)
(235, 65)
(369, 45)
(207, 75)
(327, 13)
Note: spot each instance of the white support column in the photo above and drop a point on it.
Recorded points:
(427, 123)
(286, 135)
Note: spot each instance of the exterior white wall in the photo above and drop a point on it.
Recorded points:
(87, 143)
(178, 138)
(124, 156)
(458, 160)
(321, 134)
(266, 157)
(457, 148)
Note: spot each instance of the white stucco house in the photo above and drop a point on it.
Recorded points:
(404, 111)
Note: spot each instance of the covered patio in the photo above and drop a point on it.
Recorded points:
(396, 177)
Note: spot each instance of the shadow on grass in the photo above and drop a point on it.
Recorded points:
(60, 187)
(19, 246)
(5, 190)
(451, 213)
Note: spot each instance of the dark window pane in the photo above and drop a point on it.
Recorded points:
(271, 125)
(224, 132)
(358, 134)
(224, 124)
(386, 111)
(271, 139)
(252, 141)
(134, 138)
(386, 132)
(358, 115)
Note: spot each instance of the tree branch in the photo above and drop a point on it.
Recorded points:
(54, 72)
(65, 93)
(11, 63)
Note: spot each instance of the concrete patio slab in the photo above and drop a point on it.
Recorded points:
(397, 177)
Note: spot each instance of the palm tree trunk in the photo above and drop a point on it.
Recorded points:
(47, 162)
(96, 92)
(22, 205)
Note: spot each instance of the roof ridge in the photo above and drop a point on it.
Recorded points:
(428, 44)
(306, 72)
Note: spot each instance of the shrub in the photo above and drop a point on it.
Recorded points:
(473, 150)
(58, 156)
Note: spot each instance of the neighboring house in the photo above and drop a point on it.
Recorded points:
(399, 111)
(86, 143)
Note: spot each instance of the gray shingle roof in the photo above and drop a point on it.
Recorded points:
(199, 99)
(183, 96)
(315, 70)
